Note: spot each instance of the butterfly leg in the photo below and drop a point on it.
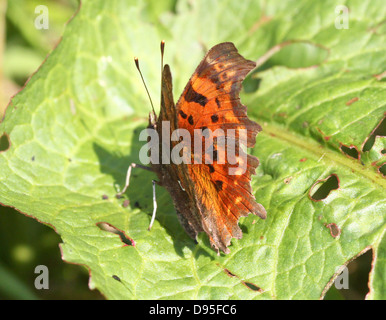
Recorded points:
(134, 165)
(131, 166)
(154, 206)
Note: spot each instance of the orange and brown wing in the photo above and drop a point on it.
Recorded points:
(211, 101)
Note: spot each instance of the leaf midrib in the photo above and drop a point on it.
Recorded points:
(323, 153)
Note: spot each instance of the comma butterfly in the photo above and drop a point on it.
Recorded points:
(206, 196)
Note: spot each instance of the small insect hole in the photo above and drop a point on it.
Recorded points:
(252, 286)
(351, 152)
(230, 274)
(334, 230)
(382, 169)
(110, 228)
(322, 188)
(4, 142)
(380, 130)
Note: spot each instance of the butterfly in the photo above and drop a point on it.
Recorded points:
(207, 198)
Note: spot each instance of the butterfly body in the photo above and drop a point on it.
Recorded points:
(206, 196)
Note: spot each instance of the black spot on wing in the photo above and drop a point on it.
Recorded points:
(218, 103)
(190, 120)
(215, 155)
(205, 134)
(218, 185)
(183, 114)
(214, 118)
(194, 96)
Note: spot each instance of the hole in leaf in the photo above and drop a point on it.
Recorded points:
(249, 285)
(380, 130)
(252, 286)
(4, 142)
(324, 187)
(335, 231)
(230, 274)
(358, 277)
(382, 169)
(110, 228)
(351, 151)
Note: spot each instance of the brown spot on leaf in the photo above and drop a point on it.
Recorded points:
(126, 203)
(380, 76)
(288, 180)
(350, 102)
(334, 230)
(325, 137)
(303, 159)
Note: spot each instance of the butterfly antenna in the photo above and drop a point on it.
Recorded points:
(143, 80)
(162, 54)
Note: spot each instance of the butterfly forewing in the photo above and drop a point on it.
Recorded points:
(211, 101)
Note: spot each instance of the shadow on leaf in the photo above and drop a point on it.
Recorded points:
(139, 192)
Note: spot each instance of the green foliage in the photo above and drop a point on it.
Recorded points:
(74, 130)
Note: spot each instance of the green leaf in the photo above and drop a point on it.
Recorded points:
(377, 276)
(74, 130)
